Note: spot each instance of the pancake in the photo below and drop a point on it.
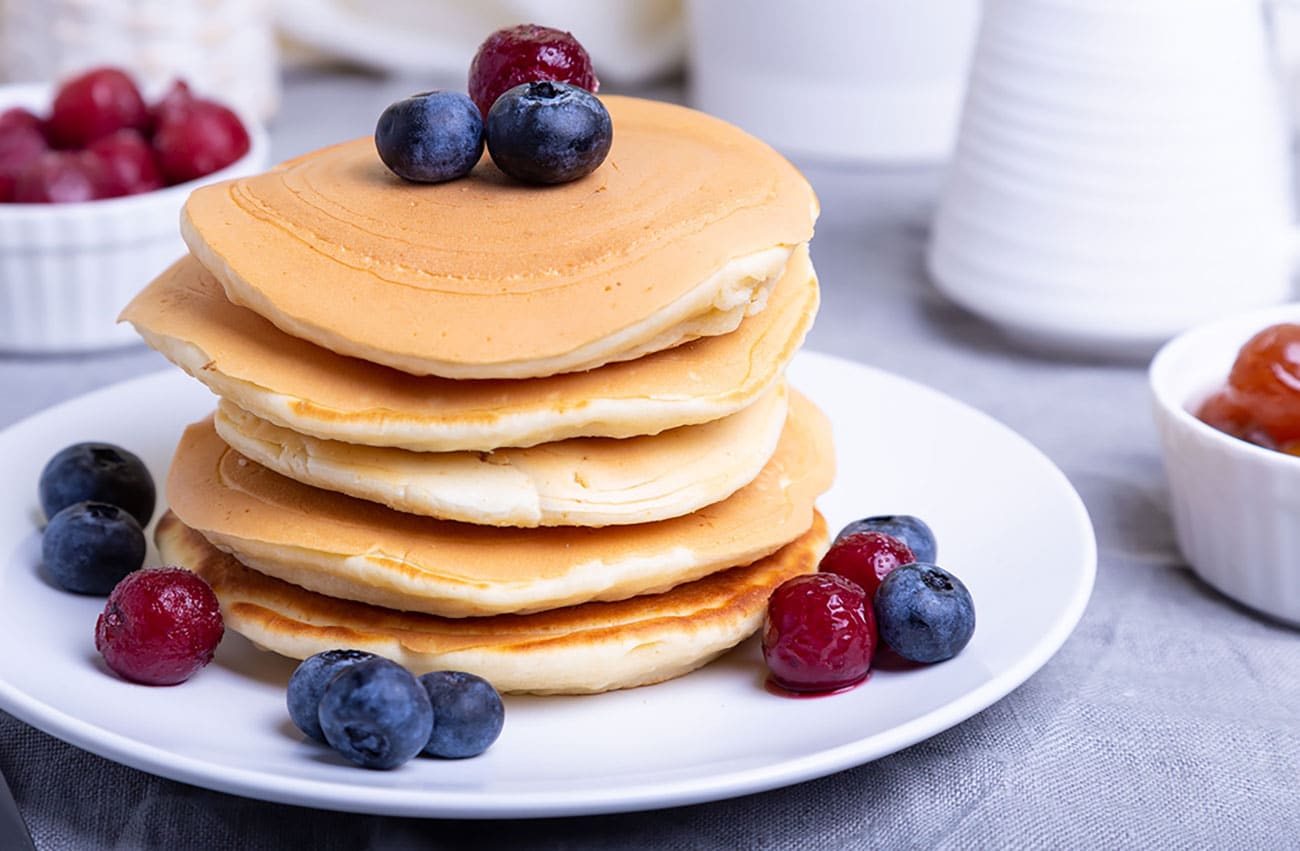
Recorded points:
(310, 390)
(680, 233)
(583, 481)
(358, 550)
(583, 649)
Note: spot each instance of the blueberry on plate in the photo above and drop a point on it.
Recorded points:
(548, 132)
(97, 472)
(911, 530)
(431, 137)
(467, 714)
(308, 682)
(89, 547)
(924, 613)
(376, 714)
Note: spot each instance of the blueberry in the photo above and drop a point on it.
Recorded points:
(467, 714)
(912, 531)
(924, 613)
(89, 547)
(548, 132)
(97, 472)
(376, 714)
(430, 137)
(308, 684)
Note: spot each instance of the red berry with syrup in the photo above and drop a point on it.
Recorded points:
(196, 136)
(17, 116)
(128, 161)
(177, 97)
(62, 177)
(819, 634)
(160, 626)
(1261, 402)
(866, 558)
(524, 54)
(21, 144)
(93, 105)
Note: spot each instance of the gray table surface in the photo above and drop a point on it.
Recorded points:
(1170, 718)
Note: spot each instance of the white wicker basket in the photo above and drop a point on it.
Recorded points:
(225, 49)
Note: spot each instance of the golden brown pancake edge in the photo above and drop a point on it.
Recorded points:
(297, 385)
(584, 649)
(348, 547)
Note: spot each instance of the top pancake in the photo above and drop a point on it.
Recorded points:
(678, 234)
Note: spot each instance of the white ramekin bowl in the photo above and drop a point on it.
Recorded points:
(1236, 506)
(67, 270)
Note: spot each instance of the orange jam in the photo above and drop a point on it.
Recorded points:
(1261, 402)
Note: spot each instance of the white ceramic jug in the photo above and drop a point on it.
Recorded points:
(1123, 171)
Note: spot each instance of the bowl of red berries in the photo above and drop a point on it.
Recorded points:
(93, 174)
(1227, 408)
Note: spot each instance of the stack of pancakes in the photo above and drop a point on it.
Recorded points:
(537, 433)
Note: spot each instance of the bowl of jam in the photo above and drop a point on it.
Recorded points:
(1226, 401)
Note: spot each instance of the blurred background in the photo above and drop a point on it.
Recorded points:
(854, 79)
(1064, 146)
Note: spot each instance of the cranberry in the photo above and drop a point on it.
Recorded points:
(160, 626)
(62, 177)
(19, 117)
(197, 138)
(1261, 402)
(866, 558)
(523, 54)
(129, 162)
(20, 146)
(819, 634)
(178, 97)
(93, 105)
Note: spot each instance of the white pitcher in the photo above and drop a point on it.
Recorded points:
(1123, 171)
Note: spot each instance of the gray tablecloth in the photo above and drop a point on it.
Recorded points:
(1170, 718)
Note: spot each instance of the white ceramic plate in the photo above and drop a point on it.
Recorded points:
(1007, 521)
